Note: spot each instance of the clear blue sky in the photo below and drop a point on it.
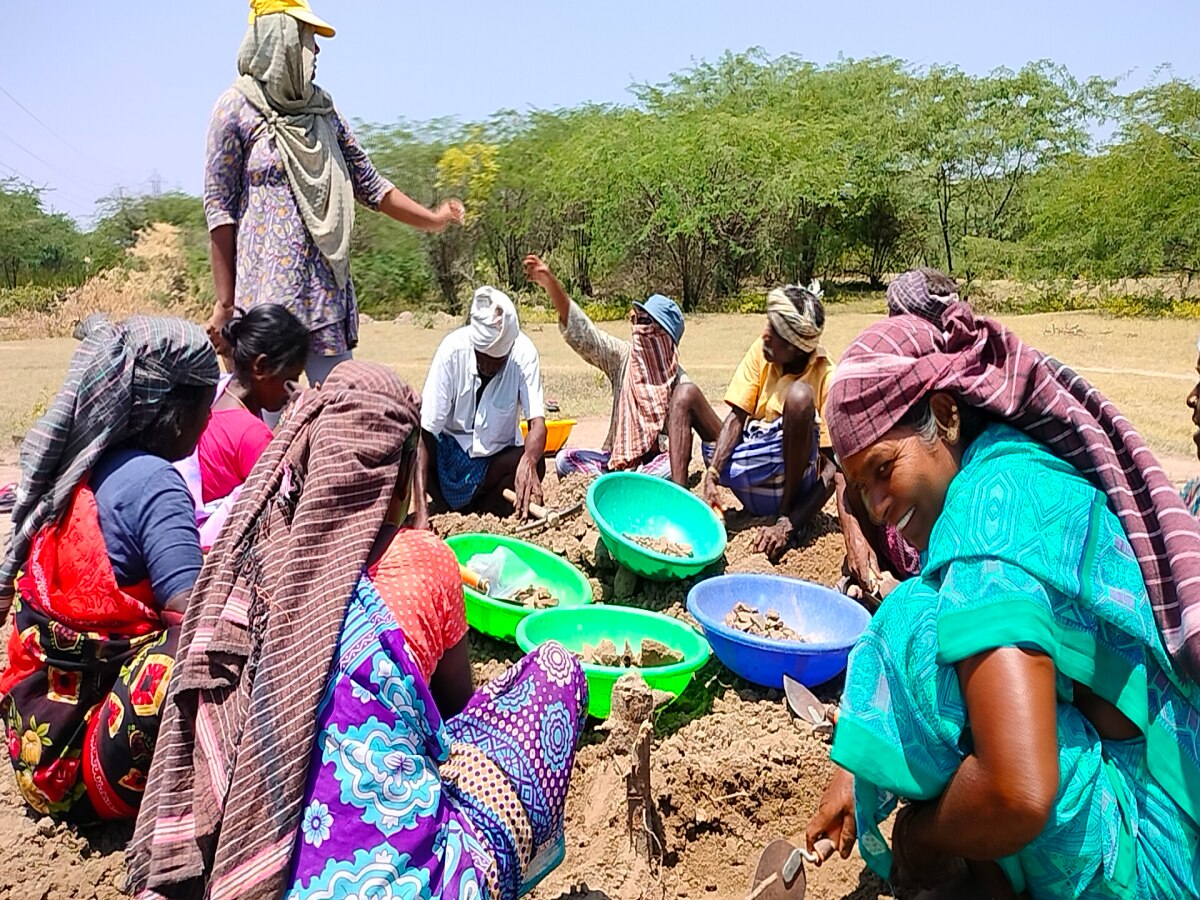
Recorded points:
(130, 83)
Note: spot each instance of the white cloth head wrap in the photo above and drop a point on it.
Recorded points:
(494, 326)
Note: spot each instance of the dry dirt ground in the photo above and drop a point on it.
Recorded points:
(730, 769)
(1146, 366)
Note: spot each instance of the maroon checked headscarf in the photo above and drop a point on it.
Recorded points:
(897, 361)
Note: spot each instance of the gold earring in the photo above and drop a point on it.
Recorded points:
(952, 433)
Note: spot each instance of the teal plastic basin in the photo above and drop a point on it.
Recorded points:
(591, 624)
(500, 619)
(630, 502)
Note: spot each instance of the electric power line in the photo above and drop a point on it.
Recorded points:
(16, 173)
(82, 155)
(83, 184)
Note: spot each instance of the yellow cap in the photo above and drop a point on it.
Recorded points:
(297, 9)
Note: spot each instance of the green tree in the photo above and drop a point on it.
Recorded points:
(1134, 209)
(36, 246)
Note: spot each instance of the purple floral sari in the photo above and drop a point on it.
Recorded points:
(400, 803)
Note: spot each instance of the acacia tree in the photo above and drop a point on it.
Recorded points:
(35, 245)
(975, 142)
(1134, 209)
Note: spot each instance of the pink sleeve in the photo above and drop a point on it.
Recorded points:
(253, 442)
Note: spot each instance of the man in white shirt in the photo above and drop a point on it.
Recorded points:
(483, 377)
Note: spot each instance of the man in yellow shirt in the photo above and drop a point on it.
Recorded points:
(767, 451)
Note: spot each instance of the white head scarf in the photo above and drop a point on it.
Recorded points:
(494, 326)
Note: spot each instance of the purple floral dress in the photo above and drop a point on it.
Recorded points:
(246, 185)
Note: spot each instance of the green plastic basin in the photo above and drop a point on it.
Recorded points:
(591, 624)
(500, 619)
(633, 503)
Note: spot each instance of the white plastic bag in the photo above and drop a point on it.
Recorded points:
(504, 572)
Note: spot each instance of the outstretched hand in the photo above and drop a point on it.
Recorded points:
(452, 212)
(537, 271)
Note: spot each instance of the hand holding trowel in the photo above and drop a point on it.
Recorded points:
(542, 517)
(780, 873)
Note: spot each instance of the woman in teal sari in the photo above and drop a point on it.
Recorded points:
(1029, 693)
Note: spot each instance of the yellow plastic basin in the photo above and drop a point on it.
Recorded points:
(557, 432)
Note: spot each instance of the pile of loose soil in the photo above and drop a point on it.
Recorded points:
(816, 555)
(726, 784)
(647, 654)
(747, 618)
(662, 545)
(563, 493)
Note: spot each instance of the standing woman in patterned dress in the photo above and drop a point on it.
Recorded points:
(282, 173)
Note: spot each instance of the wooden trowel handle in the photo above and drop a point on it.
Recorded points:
(473, 580)
(538, 512)
(824, 849)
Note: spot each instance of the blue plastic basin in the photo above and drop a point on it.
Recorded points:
(829, 622)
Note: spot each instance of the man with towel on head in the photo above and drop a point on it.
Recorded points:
(482, 378)
(767, 451)
(643, 372)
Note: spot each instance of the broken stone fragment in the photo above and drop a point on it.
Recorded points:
(656, 653)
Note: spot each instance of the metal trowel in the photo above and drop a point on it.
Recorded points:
(780, 872)
(541, 517)
(805, 705)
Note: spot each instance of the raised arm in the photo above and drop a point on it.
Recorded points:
(374, 191)
(539, 273)
(596, 347)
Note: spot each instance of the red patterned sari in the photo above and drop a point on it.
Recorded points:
(89, 666)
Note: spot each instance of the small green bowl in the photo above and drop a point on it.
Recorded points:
(500, 619)
(591, 624)
(633, 503)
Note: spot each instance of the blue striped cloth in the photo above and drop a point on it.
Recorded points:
(755, 470)
(459, 473)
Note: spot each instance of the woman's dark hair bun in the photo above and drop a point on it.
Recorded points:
(268, 330)
(231, 329)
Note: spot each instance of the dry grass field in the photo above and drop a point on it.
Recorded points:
(1146, 366)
